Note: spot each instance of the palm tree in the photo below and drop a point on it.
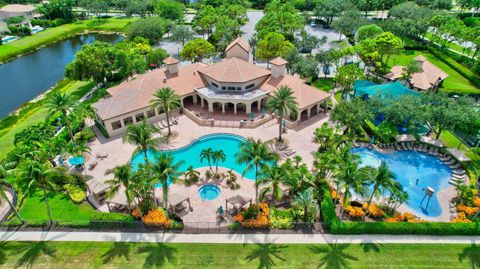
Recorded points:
(63, 104)
(231, 179)
(122, 177)
(191, 175)
(218, 156)
(166, 99)
(307, 202)
(256, 155)
(382, 179)
(35, 175)
(207, 154)
(165, 170)
(142, 136)
(4, 172)
(271, 177)
(284, 103)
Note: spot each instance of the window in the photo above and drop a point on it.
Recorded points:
(249, 86)
(239, 88)
(160, 110)
(139, 117)
(150, 113)
(116, 125)
(127, 121)
(231, 88)
(224, 88)
(214, 85)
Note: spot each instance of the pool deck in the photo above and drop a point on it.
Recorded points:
(299, 139)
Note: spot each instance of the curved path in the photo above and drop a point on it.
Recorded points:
(235, 238)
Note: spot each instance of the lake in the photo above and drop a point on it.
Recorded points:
(24, 78)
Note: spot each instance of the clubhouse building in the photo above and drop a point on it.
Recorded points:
(233, 89)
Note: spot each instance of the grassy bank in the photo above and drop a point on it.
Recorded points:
(454, 83)
(38, 113)
(31, 43)
(156, 255)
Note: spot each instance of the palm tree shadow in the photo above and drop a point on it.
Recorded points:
(118, 250)
(157, 255)
(32, 252)
(334, 256)
(3, 255)
(367, 247)
(472, 253)
(266, 255)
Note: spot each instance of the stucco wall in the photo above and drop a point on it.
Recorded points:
(237, 51)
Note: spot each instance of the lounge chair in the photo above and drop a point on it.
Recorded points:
(430, 151)
(282, 147)
(435, 152)
(446, 158)
(458, 172)
(101, 155)
(409, 146)
(289, 152)
(454, 166)
(450, 162)
(93, 165)
(160, 126)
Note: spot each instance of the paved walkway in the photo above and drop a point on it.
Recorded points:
(235, 238)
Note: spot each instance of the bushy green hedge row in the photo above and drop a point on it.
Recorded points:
(335, 226)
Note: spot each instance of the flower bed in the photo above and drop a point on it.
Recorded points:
(158, 218)
(255, 216)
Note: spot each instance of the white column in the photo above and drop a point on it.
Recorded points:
(308, 113)
(201, 102)
(234, 108)
(223, 108)
(210, 107)
(248, 108)
(195, 99)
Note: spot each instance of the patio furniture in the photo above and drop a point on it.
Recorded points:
(118, 202)
(237, 202)
(458, 155)
(177, 202)
(97, 188)
(101, 155)
(431, 141)
(93, 165)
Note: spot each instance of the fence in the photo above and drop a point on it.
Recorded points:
(139, 227)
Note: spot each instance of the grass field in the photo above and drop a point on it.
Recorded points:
(451, 45)
(38, 115)
(234, 256)
(31, 43)
(454, 83)
(325, 84)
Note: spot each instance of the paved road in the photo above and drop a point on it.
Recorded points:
(236, 238)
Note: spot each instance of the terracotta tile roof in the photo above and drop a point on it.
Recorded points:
(395, 73)
(136, 94)
(171, 60)
(17, 8)
(241, 42)
(305, 95)
(234, 70)
(278, 61)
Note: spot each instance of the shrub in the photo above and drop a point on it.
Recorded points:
(76, 194)
(159, 218)
(101, 128)
(255, 216)
(281, 219)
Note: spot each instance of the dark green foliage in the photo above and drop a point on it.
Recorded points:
(152, 28)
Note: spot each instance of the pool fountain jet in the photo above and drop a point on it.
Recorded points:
(429, 191)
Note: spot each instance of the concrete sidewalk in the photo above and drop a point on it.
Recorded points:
(235, 238)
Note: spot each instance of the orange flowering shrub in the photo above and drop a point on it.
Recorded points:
(354, 211)
(476, 201)
(461, 218)
(408, 216)
(136, 213)
(399, 217)
(373, 210)
(259, 221)
(157, 218)
(334, 194)
(416, 220)
(390, 220)
(468, 210)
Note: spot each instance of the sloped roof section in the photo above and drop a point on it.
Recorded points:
(241, 42)
(171, 60)
(304, 94)
(234, 70)
(278, 61)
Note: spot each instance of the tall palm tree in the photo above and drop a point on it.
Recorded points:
(256, 155)
(270, 178)
(166, 99)
(382, 179)
(191, 176)
(207, 154)
(307, 202)
(165, 170)
(34, 175)
(122, 176)
(284, 103)
(217, 156)
(143, 136)
(63, 104)
(4, 172)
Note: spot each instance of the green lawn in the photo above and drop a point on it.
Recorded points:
(30, 43)
(76, 88)
(62, 208)
(454, 83)
(324, 84)
(452, 46)
(157, 255)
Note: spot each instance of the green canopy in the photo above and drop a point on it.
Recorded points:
(389, 90)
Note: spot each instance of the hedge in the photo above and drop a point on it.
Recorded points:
(335, 226)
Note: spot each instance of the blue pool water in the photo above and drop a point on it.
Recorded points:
(209, 192)
(190, 155)
(407, 167)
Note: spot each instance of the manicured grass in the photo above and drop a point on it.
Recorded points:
(454, 83)
(38, 115)
(31, 43)
(451, 45)
(157, 255)
(451, 141)
(62, 208)
(324, 84)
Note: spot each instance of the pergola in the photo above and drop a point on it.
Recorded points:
(458, 155)
(176, 200)
(405, 138)
(430, 141)
(118, 201)
(97, 188)
(237, 202)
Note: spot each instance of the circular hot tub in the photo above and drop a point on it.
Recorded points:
(209, 192)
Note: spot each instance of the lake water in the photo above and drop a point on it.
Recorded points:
(23, 79)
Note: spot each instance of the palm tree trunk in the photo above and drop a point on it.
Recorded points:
(280, 127)
(256, 185)
(70, 132)
(145, 156)
(47, 205)
(168, 119)
(165, 194)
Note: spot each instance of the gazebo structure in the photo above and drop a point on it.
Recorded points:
(237, 202)
(118, 202)
(177, 202)
(405, 138)
(97, 188)
(458, 155)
